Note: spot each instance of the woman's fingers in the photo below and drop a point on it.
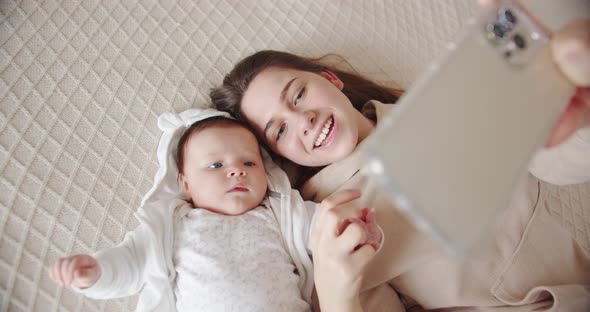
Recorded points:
(360, 258)
(364, 255)
(340, 198)
(571, 51)
(570, 47)
(485, 4)
(576, 115)
(333, 211)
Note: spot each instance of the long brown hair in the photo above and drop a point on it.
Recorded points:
(358, 89)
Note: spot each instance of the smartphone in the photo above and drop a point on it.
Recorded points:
(453, 148)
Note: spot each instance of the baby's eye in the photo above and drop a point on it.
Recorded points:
(249, 164)
(215, 165)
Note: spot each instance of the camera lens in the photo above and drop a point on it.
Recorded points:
(519, 41)
(499, 30)
(509, 16)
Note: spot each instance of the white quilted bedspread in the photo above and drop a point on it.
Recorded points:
(82, 83)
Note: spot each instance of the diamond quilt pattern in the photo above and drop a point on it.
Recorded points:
(82, 84)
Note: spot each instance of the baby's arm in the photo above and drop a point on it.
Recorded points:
(110, 273)
(340, 253)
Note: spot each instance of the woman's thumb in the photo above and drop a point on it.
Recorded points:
(571, 50)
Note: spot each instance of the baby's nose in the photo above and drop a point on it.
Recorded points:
(236, 172)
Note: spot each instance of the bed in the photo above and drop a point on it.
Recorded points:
(82, 84)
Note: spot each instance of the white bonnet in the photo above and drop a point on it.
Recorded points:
(173, 125)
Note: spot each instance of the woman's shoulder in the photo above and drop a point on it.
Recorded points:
(331, 178)
(375, 110)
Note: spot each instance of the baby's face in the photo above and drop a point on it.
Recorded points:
(223, 170)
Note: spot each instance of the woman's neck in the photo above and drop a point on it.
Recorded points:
(365, 127)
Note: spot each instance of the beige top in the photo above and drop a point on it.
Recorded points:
(529, 260)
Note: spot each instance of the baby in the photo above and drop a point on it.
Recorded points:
(238, 240)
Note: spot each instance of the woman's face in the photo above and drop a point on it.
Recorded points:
(304, 116)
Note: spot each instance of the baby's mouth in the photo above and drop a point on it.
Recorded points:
(238, 188)
(325, 133)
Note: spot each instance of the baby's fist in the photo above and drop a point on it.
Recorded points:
(81, 271)
(373, 232)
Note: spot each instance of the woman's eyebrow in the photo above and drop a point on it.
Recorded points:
(285, 89)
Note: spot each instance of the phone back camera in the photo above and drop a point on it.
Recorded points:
(519, 41)
(496, 32)
(499, 30)
(505, 22)
(513, 34)
(506, 16)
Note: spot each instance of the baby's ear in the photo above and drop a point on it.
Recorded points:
(185, 187)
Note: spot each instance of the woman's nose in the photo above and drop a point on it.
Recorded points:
(236, 172)
(306, 121)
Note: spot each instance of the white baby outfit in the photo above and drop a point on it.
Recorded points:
(145, 260)
(233, 263)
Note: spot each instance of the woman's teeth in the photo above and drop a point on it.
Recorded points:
(324, 133)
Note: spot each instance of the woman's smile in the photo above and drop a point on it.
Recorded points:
(326, 135)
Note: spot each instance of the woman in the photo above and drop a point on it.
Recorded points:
(315, 116)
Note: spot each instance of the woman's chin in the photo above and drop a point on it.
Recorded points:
(330, 156)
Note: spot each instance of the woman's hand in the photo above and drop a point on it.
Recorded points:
(570, 48)
(571, 51)
(81, 271)
(368, 221)
(341, 251)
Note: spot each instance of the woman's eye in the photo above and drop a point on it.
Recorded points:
(249, 164)
(280, 132)
(299, 95)
(215, 165)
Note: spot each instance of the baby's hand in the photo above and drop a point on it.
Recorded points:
(373, 232)
(81, 271)
(366, 220)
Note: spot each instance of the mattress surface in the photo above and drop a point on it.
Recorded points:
(82, 83)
